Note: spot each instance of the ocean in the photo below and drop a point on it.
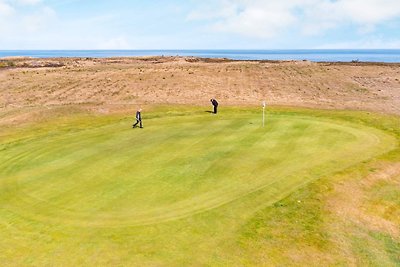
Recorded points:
(348, 55)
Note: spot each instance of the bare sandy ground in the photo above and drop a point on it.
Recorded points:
(177, 80)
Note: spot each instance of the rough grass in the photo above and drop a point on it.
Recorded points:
(350, 218)
(189, 189)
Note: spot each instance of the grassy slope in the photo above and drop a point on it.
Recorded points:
(307, 229)
(182, 191)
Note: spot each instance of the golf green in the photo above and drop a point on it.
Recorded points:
(86, 172)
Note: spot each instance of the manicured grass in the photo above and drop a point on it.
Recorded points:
(89, 190)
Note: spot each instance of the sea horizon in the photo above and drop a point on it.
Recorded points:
(316, 55)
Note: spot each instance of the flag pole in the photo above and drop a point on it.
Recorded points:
(264, 104)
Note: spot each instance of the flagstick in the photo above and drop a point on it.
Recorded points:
(263, 116)
(263, 113)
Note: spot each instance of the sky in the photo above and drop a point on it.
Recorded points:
(199, 24)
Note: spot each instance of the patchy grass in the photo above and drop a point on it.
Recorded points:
(350, 218)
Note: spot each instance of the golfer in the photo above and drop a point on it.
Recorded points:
(138, 118)
(215, 104)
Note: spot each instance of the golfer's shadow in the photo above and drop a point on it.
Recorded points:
(208, 111)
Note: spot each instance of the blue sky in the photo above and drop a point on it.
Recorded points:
(199, 24)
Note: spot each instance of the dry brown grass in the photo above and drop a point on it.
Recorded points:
(349, 200)
(176, 80)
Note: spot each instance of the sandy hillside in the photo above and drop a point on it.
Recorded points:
(177, 80)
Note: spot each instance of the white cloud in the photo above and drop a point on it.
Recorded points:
(323, 15)
(15, 19)
(5, 9)
(257, 18)
(266, 18)
(6, 12)
(370, 11)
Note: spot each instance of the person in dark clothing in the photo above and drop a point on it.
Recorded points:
(138, 119)
(215, 104)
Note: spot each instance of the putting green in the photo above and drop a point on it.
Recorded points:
(175, 193)
(98, 172)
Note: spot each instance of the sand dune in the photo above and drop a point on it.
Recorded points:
(178, 80)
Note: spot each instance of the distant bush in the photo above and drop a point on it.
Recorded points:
(5, 64)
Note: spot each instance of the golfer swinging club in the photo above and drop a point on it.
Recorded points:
(215, 104)
(138, 118)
